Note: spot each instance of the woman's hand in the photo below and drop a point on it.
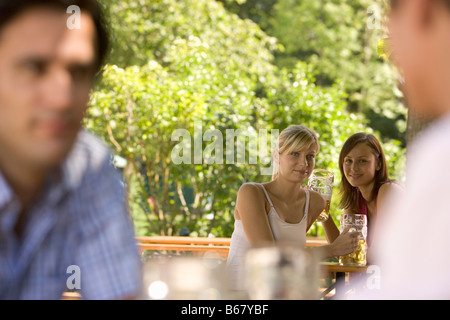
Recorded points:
(346, 243)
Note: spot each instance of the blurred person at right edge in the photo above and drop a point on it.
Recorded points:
(412, 234)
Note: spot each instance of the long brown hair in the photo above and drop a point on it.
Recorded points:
(349, 194)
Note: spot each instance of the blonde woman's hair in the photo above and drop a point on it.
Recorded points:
(292, 139)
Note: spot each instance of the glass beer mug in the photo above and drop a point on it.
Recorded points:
(184, 278)
(358, 223)
(322, 181)
(281, 272)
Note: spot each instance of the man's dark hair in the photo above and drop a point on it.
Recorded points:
(10, 9)
(394, 3)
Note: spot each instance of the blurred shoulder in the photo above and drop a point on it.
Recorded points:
(88, 160)
(91, 146)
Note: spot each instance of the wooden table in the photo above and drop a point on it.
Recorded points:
(333, 270)
(337, 268)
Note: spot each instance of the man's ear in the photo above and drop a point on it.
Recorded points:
(423, 10)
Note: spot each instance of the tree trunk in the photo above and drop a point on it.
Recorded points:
(416, 125)
(415, 122)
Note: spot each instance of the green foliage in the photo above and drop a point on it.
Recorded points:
(178, 65)
(339, 39)
(199, 63)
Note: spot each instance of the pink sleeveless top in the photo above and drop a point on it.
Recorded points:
(361, 204)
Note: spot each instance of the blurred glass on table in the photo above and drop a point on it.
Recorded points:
(281, 272)
(357, 223)
(184, 278)
(322, 181)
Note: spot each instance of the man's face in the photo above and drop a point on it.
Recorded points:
(46, 72)
(417, 33)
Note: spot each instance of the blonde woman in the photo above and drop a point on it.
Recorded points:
(280, 210)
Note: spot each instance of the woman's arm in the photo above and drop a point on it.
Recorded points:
(330, 229)
(317, 205)
(386, 192)
(345, 243)
(250, 209)
(340, 244)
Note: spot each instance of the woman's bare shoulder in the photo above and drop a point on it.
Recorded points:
(250, 198)
(389, 191)
(389, 187)
(250, 189)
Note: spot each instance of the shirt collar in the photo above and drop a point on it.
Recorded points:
(57, 185)
(6, 194)
(60, 181)
(74, 165)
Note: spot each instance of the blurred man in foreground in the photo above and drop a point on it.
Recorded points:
(63, 218)
(413, 253)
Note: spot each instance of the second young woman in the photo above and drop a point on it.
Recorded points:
(365, 178)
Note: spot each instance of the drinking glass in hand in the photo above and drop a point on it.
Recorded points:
(357, 223)
(322, 181)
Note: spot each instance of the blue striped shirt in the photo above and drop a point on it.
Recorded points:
(77, 234)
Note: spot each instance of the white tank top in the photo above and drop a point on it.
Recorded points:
(281, 230)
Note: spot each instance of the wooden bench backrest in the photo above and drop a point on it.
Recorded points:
(198, 244)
